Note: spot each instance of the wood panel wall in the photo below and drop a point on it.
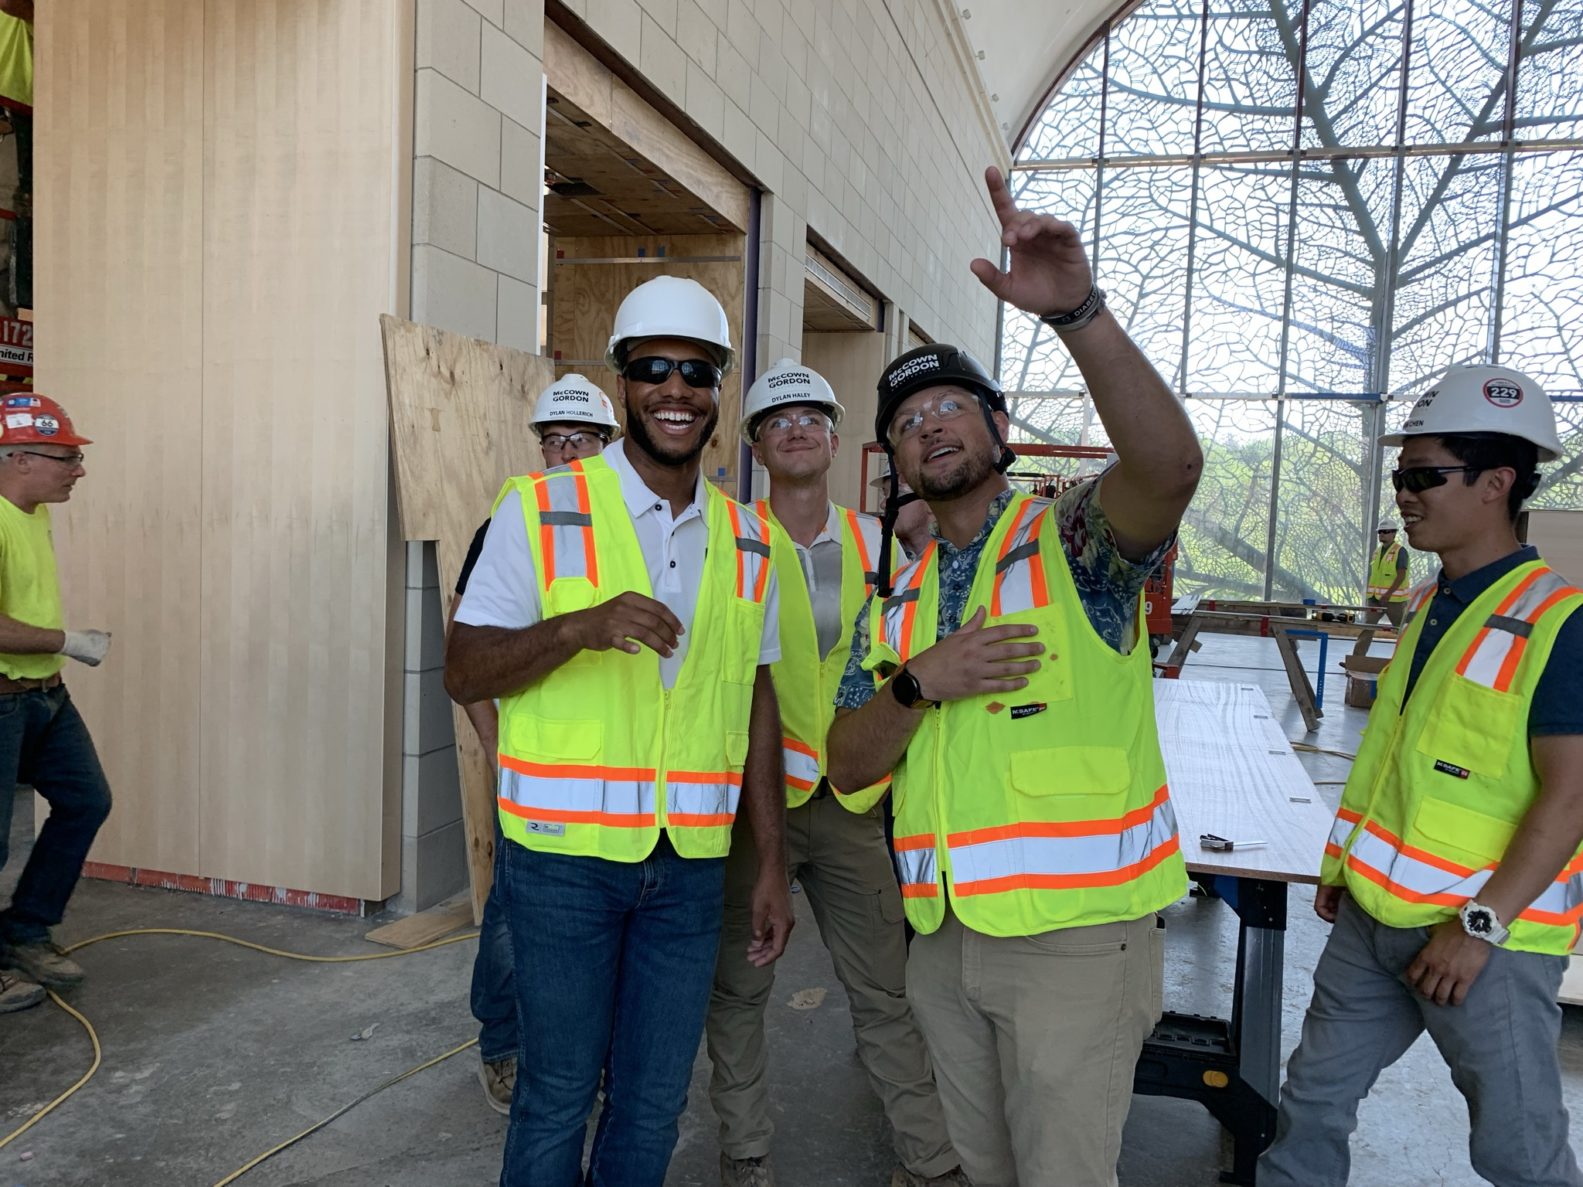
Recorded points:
(219, 227)
(589, 276)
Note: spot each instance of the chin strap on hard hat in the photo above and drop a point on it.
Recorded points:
(894, 502)
(1006, 457)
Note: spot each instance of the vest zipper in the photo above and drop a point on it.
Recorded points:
(662, 805)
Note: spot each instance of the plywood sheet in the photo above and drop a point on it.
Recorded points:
(853, 364)
(119, 195)
(460, 412)
(1233, 773)
(590, 276)
(298, 258)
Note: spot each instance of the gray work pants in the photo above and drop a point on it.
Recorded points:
(1500, 1045)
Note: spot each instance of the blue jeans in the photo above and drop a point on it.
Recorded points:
(494, 998)
(44, 743)
(614, 962)
(1500, 1044)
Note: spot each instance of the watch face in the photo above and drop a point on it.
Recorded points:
(1481, 922)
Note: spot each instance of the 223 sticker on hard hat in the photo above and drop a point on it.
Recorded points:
(18, 420)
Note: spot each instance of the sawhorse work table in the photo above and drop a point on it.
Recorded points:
(1233, 773)
(1281, 621)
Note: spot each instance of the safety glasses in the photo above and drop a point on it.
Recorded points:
(653, 369)
(554, 442)
(1418, 479)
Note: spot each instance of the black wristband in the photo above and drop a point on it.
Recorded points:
(1065, 323)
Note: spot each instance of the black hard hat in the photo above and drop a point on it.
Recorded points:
(930, 366)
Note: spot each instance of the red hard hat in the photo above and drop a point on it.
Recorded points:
(36, 420)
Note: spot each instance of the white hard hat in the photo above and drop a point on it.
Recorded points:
(787, 383)
(1478, 398)
(882, 480)
(576, 399)
(671, 307)
(1386, 525)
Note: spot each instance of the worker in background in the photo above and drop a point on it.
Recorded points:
(1453, 875)
(1035, 838)
(913, 524)
(44, 743)
(1388, 572)
(835, 837)
(573, 419)
(625, 614)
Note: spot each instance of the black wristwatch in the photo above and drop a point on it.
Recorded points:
(904, 687)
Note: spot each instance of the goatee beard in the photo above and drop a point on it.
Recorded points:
(668, 453)
(954, 483)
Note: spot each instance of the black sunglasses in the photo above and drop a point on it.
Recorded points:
(654, 369)
(1418, 479)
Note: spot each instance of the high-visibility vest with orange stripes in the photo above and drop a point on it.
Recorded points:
(1382, 574)
(805, 685)
(1440, 786)
(1038, 809)
(599, 756)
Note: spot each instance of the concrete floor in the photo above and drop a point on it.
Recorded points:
(213, 1054)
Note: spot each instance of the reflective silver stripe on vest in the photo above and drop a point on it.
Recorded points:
(802, 768)
(563, 510)
(753, 552)
(1449, 884)
(1015, 589)
(1507, 632)
(916, 869)
(1036, 856)
(707, 805)
(599, 798)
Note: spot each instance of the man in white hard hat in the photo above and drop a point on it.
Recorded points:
(625, 614)
(1388, 575)
(824, 558)
(911, 517)
(573, 419)
(1454, 874)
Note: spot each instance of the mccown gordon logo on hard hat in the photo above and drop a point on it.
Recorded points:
(1503, 393)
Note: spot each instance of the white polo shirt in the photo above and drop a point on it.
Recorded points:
(503, 590)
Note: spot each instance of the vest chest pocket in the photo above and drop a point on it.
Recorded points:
(1070, 782)
(1471, 726)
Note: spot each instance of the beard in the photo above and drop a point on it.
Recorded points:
(664, 450)
(971, 469)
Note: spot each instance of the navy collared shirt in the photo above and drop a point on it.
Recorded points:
(1558, 700)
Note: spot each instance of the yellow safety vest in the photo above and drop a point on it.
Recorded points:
(1382, 574)
(1439, 787)
(805, 685)
(599, 756)
(1039, 809)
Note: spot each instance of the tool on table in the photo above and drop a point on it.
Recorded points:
(1226, 844)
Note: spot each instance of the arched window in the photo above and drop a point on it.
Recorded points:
(1303, 212)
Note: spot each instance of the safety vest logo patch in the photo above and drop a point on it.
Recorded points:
(1446, 768)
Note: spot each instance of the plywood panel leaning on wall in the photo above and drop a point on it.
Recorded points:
(119, 303)
(460, 413)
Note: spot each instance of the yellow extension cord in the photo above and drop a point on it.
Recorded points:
(214, 935)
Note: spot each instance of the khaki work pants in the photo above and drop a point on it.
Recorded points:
(1034, 1041)
(841, 861)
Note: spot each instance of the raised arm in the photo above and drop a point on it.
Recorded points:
(1159, 459)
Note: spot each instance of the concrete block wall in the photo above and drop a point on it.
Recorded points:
(477, 181)
(863, 120)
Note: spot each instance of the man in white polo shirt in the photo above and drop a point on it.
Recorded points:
(624, 613)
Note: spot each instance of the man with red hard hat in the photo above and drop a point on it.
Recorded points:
(43, 741)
